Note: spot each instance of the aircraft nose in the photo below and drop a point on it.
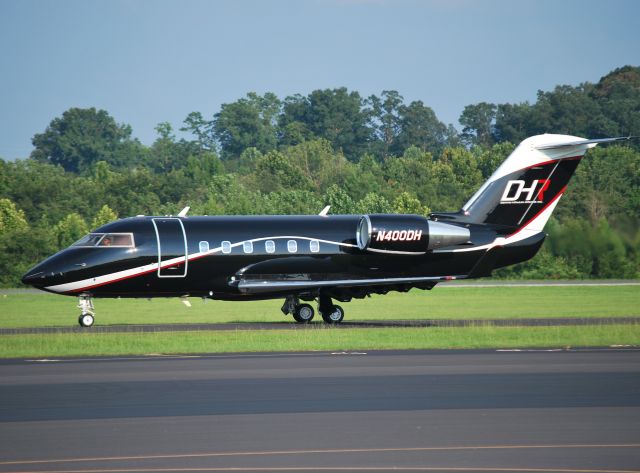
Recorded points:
(34, 277)
(41, 275)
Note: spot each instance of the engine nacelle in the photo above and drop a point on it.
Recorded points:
(407, 234)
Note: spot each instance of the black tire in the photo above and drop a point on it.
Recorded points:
(85, 320)
(334, 316)
(303, 314)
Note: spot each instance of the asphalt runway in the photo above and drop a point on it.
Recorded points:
(466, 411)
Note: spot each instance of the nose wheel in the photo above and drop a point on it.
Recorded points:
(85, 320)
(85, 304)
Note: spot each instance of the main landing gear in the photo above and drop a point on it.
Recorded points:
(304, 313)
(85, 304)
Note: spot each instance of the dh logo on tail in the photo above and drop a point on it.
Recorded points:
(516, 188)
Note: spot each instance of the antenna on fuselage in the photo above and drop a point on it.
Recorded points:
(325, 211)
(183, 212)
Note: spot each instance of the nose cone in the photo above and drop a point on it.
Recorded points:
(45, 273)
(56, 270)
(35, 277)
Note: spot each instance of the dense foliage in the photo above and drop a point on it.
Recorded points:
(264, 155)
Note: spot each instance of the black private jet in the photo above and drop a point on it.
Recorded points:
(320, 257)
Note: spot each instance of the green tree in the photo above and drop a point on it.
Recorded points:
(618, 95)
(514, 122)
(200, 128)
(227, 196)
(168, 154)
(104, 216)
(407, 203)
(80, 138)
(69, 230)
(336, 115)
(248, 122)
(275, 172)
(419, 127)
(477, 121)
(289, 202)
(319, 163)
(11, 218)
(386, 115)
(339, 200)
(373, 203)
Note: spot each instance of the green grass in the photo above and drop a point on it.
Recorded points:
(39, 310)
(35, 310)
(319, 338)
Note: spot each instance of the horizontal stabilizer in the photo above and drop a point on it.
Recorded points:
(583, 142)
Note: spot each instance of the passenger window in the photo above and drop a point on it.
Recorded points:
(204, 246)
(247, 246)
(270, 246)
(314, 246)
(292, 246)
(226, 247)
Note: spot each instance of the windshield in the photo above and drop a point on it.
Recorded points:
(112, 240)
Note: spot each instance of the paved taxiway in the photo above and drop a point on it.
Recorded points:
(415, 411)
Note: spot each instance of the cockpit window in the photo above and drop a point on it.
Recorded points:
(115, 240)
(91, 239)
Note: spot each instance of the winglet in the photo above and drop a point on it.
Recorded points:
(183, 212)
(325, 211)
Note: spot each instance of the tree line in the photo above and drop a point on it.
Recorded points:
(265, 155)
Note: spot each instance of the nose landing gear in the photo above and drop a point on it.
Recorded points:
(85, 304)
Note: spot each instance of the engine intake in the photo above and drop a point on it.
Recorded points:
(407, 234)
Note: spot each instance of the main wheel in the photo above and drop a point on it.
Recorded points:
(85, 320)
(333, 316)
(303, 314)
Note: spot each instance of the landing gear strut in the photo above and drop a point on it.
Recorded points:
(85, 304)
(302, 313)
(331, 313)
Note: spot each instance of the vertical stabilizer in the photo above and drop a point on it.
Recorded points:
(524, 190)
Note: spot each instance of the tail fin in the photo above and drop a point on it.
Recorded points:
(525, 189)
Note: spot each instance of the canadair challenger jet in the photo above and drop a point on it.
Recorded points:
(322, 257)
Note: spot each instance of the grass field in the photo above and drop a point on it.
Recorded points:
(320, 338)
(40, 310)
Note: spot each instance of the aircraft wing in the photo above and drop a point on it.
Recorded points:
(257, 286)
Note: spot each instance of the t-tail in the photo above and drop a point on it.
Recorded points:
(523, 192)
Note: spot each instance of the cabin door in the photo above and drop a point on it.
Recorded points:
(172, 247)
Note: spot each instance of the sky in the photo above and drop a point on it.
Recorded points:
(152, 61)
